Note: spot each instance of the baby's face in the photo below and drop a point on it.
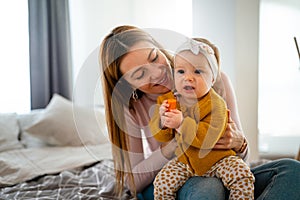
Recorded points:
(192, 74)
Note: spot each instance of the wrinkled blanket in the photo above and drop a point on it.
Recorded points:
(96, 181)
(81, 172)
(21, 165)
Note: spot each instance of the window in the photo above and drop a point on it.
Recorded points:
(14, 62)
(279, 77)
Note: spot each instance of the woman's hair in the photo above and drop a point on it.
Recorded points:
(218, 85)
(118, 94)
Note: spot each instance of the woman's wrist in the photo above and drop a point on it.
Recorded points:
(242, 147)
(164, 151)
(168, 149)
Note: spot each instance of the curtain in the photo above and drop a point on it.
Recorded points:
(50, 50)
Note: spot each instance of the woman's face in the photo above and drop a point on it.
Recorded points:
(146, 68)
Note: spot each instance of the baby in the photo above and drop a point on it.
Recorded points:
(197, 125)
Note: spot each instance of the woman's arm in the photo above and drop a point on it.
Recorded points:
(234, 137)
(143, 169)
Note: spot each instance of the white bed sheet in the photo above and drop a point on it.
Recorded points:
(21, 165)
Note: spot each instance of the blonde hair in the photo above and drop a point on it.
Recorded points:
(117, 91)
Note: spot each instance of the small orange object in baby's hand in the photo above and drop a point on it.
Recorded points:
(172, 104)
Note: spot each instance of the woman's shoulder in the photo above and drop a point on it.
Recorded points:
(224, 78)
(222, 84)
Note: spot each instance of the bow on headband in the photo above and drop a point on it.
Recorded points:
(197, 47)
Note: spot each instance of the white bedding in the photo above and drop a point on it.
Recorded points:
(60, 152)
(21, 165)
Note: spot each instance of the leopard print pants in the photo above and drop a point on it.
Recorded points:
(233, 171)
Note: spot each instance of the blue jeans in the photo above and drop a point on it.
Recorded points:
(277, 180)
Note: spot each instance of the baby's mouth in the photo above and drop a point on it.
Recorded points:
(188, 87)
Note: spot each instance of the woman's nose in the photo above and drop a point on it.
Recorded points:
(156, 72)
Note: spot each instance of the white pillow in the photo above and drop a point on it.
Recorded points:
(9, 131)
(26, 120)
(65, 124)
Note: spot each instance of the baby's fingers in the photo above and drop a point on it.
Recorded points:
(165, 104)
(162, 110)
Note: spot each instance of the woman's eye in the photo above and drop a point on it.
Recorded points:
(154, 58)
(198, 71)
(154, 55)
(140, 75)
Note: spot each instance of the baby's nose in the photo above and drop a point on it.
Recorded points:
(188, 77)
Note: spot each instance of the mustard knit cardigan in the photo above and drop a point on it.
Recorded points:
(202, 126)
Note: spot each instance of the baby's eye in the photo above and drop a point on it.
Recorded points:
(180, 71)
(198, 71)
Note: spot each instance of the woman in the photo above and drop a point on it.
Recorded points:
(135, 71)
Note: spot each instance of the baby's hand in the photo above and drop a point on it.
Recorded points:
(169, 115)
(163, 108)
(172, 104)
(173, 119)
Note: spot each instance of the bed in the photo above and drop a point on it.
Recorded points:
(60, 152)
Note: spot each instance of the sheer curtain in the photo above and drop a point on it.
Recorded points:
(50, 50)
(279, 77)
(14, 62)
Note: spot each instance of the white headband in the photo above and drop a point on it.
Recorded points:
(197, 47)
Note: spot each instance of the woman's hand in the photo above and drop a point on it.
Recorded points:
(168, 149)
(233, 138)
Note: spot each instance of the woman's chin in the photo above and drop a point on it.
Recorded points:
(161, 89)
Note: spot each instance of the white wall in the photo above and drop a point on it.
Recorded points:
(215, 20)
(231, 24)
(91, 20)
(246, 68)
